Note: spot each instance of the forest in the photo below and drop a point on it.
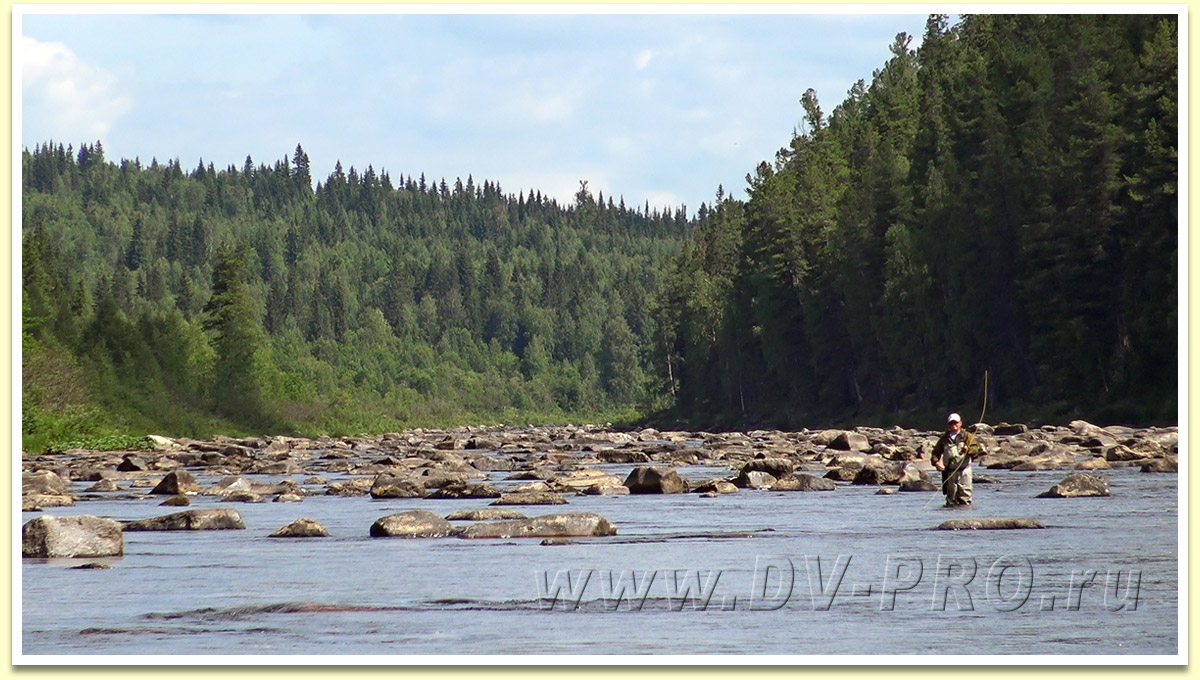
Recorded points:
(997, 208)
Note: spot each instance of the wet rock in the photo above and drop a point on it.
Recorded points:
(412, 524)
(653, 480)
(132, 463)
(885, 491)
(389, 486)
(716, 486)
(557, 540)
(1120, 453)
(176, 501)
(607, 490)
(288, 498)
(585, 478)
(803, 482)
(301, 528)
(486, 514)
(531, 498)
(103, 485)
(283, 467)
(991, 523)
(754, 479)
(466, 490)
(35, 502)
(917, 485)
(175, 483)
(43, 482)
(580, 524)
(1093, 464)
(77, 536)
(243, 497)
(1161, 465)
(850, 441)
(842, 474)
(354, 487)
(776, 467)
(622, 457)
(93, 565)
(1078, 485)
(879, 474)
(191, 520)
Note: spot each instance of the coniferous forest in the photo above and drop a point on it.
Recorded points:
(998, 207)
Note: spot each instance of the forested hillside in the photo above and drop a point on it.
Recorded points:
(248, 299)
(1000, 202)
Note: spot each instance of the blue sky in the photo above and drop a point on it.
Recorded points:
(650, 107)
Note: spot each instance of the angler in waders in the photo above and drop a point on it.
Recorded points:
(952, 455)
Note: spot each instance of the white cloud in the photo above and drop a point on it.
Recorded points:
(64, 96)
(643, 59)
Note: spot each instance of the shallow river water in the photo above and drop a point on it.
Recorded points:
(846, 572)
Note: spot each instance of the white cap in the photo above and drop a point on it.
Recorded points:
(953, 418)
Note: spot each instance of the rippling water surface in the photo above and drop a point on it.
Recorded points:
(846, 572)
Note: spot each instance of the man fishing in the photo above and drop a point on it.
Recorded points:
(952, 455)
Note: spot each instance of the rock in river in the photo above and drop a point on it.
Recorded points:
(190, 520)
(486, 514)
(177, 482)
(301, 528)
(77, 536)
(991, 523)
(412, 524)
(653, 479)
(531, 498)
(545, 526)
(803, 482)
(1077, 485)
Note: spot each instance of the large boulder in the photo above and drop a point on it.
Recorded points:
(545, 526)
(1078, 485)
(78, 536)
(390, 486)
(301, 528)
(653, 479)
(850, 441)
(43, 482)
(879, 474)
(412, 524)
(191, 520)
(754, 479)
(177, 482)
(803, 482)
(776, 467)
(917, 485)
(1161, 465)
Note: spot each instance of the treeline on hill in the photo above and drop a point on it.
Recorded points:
(245, 300)
(999, 203)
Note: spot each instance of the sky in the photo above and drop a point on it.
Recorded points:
(651, 108)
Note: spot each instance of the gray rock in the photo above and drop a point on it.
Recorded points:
(103, 485)
(651, 479)
(389, 486)
(754, 479)
(1077, 485)
(466, 490)
(993, 523)
(412, 524)
(1006, 430)
(77, 536)
(43, 482)
(803, 482)
(191, 520)
(917, 485)
(133, 463)
(531, 498)
(850, 441)
(545, 526)
(716, 486)
(1161, 465)
(776, 467)
(176, 501)
(177, 482)
(301, 528)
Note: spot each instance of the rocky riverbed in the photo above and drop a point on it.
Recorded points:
(546, 466)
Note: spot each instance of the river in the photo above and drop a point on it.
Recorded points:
(847, 574)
